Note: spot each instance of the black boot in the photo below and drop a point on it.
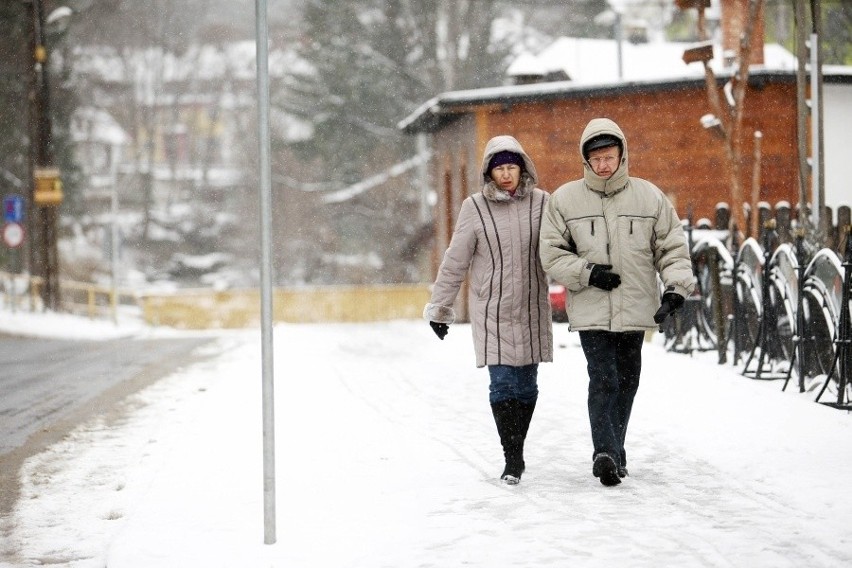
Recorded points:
(506, 416)
(525, 413)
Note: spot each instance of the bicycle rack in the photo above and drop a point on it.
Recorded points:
(798, 359)
(843, 355)
(761, 343)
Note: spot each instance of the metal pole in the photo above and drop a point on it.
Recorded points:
(43, 158)
(113, 202)
(423, 181)
(815, 122)
(619, 40)
(819, 117)
(801, 115)
(262, 35)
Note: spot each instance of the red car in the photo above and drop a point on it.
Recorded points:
(558, 300)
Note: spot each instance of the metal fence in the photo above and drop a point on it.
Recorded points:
(773, 309)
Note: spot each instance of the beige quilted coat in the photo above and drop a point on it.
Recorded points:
(495, 244)
(623, 221)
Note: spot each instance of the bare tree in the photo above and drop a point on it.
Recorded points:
(729, 112)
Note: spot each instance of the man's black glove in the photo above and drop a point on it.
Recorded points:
(668, 305)
(440, 329)
(602, 278)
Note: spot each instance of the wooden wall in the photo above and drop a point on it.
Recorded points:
(666, 141)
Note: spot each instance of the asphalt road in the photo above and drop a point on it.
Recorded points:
(48, 386)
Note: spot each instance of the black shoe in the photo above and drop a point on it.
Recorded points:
(605, 469)
(513, 470)
(622, 471)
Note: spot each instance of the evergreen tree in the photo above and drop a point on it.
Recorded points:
(14, 62)
(370, 64)
(16, 72)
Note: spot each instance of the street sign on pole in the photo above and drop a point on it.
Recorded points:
(13, 208)
(13, 235)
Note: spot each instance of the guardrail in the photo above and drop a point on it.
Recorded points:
(22, 291)
(206, 309)
(224, 309)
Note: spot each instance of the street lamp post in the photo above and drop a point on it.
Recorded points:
(46, 186)
(612, 16)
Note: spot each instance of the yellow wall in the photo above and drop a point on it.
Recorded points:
(207, 309)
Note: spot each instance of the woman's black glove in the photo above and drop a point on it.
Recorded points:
(602, 278)
(440, 329)
(670, 303)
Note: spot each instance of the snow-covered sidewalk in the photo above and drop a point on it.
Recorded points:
(387, 456)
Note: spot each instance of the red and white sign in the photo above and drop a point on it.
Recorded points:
(13, 235)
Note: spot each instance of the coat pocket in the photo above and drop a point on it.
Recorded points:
(636, 233)
(589, 307)
(589, 235)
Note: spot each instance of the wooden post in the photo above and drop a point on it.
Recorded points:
(755, 178)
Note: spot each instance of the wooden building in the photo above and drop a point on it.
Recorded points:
(660, 117)
(661, 120)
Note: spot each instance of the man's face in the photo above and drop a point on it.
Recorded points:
(604, 161)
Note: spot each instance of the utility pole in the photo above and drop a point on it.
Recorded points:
(46, 186)
(817, 137)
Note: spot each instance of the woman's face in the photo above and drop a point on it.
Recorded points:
(507, 176)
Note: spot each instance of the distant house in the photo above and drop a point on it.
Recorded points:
(658, 101)
(185, 116)
(99, 143)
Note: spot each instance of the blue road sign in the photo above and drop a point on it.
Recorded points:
(13, 208)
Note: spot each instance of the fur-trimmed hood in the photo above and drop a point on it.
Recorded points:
(529, 177)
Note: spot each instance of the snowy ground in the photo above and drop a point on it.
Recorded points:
(387, 456)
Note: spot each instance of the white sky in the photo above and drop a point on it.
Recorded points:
(387, 455)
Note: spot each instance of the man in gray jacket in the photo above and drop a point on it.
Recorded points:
(606, 237)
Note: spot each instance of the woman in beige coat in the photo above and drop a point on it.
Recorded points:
(495, 244)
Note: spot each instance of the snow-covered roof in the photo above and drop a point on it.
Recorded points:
(592, 68)
(437, 110)
(589, 61)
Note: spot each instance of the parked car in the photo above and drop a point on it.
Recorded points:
(558, 299)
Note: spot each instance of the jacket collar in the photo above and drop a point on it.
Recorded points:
(493, 193)
(608, 187)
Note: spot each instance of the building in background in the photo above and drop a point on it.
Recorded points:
(657, 99)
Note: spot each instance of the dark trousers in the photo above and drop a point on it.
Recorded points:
(614, 362)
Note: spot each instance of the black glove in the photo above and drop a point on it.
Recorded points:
(440, 329)
(669, 304)
(602, 278)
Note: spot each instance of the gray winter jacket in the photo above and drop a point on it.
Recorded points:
(495, 243)
(624, 221)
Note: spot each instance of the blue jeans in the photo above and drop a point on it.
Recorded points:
(614, 362)
(513, 383)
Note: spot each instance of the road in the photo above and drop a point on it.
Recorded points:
(48, 386)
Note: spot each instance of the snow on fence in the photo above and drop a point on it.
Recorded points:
(773, 309)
